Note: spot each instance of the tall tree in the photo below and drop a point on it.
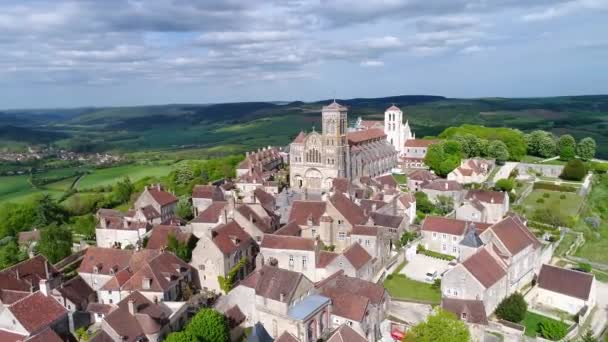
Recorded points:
(209, 326)
(443, 326)
(123, 190)
(10, 254)
(498, 150)
(566, 147)
(55, 243)
(541, 143)
(48, 212)
(586, 148)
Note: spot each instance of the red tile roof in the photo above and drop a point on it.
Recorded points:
(346, 304)
(514, 235)
(272, 241)
(149, 318)
(291, 229)
(105, 259)
(161, 196)
(344, 333)
(341, 185)
(486, 196)
(370, 206)
(473, 310)
(76, 290)
(302, 210)
(357, 256)
(262, 223)
(37, 311)
(407, 200)
(211, 192)
(47, 335)
(568, 282)
(420, 142)
(29, 236)
(325, 258)
(365, 230)
(30, 270)
(387, 180)
(7, 336)
(444, 225)
(351, 212)
(274, 282)
(442, 185)
(286, 337)
(484, 268)
(367, 124)
(211, 214)
(300, 138)
(230, 237)
(159, 236)
(358, 137)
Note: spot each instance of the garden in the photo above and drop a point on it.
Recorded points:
(401, 287)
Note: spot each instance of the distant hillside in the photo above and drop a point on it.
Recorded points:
(236, 127)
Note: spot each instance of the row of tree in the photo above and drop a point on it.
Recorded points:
(544, 144)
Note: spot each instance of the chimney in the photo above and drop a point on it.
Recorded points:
(492, 199)
(46, 269)
(446, 185)
(44, 287)
(17, 273)
(132, 309)
(282, 297)
(373, 207)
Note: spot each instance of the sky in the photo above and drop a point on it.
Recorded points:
(62, 53)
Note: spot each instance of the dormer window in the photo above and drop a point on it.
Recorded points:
(95, 269)
(463, 316)
(146, 283)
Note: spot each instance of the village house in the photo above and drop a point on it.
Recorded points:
(156, 198)
(219, 251)
(483, 206)
(445, 188)
(216, 214)
(204, 196)
(414, 153)
(259, 169)
(475, 170)
(74, 295)
(158, 237)
(255, 220)
(345, 333)
(137, 318)
(416, 178)
(564, 289)
(444, 235)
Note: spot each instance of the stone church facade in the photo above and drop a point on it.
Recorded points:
(317, 158)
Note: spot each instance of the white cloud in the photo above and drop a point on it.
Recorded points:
(563, 9)
(372, 63)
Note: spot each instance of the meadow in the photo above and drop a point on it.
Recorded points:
(109, 176)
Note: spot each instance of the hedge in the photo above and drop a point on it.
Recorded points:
(554, 187)
(437, 255)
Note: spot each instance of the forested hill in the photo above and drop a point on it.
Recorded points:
(234, 127)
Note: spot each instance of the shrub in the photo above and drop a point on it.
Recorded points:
(562, 196)
(553, 187)
(540, 200)
(585, 267)
(512, 308)
(593, 221)
(504, 185)
(552, 330)
(436, 284)
(574, 170)
(546, 195)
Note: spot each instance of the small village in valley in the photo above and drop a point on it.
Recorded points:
(356, 231)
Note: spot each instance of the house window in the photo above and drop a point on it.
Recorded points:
(464, 316)
(340, 222)
(443, 247)
(367, 243)
(434, 235)
(443, 236)
(201, 267)
(454, 250)
(291, 261)
(110, 301)
(341, 235)
(304, 262)
(314, 232)
(454, 238)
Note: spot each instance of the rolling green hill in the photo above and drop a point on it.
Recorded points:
(236, 127)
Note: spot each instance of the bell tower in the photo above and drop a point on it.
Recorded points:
(335, 121)
(393, 126)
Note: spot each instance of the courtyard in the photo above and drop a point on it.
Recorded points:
(400, 287)
(420, 265)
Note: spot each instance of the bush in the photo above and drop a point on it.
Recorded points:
(562, 196)
(433, 254)
(553, 187)
(504, 185)
(512, 308)
(436, 284)
(546, 195)
(593, 221)
(540, 200)
(574, 170)
(585, 267)
(552, 330)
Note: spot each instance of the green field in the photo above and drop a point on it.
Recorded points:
(531, 321)
(565, 208)
(109, 176)
(401, 287)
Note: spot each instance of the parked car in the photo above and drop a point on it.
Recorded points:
(431, 276)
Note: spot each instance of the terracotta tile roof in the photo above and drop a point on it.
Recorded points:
(272, 241)
(393, 108)
(161, 196)
(230, 237)
(262, 223)
(420, 142)
(76, 290)
(9, 281)
(299, 138)
(7, 336)
(344, 333)
(387, 180)
(235, 316)
(442, 185)
(100, 308)
(514, 235)
(357, 256)
(37, 311)
(291, 229)
(211, 192)
(47, 335)
(486, 196)
(29, 236)
(444, 225)
(407, 200)
(30, 270)
(358, 137)
(105, 259)
(365, 230)
(163, 271)
(149, 212)
(8, 297)
(340, 184)
(251, 280)
(273, 282)
(302, 210)
(211, 214)
(384, 220)
(266, 200)
(370, 206)
(325, 258)
(567, 282)
(286, 337)
(110, 213)
(346, 304)
(351, 212)
(334, 106)
(159, 236)
(148, 319)
(101, 336)
(484, 268)
(473, 310)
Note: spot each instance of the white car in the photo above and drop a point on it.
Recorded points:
(431, 276)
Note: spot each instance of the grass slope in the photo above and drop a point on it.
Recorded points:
(102, 177)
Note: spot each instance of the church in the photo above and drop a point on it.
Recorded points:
(317, 158)
(397, 132)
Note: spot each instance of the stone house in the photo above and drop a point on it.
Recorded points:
(564, 289)
(444, 235)
(290, 252)
(474, 170)
(74, 294)
(255, 220)
(416, 178)
(219, 251)
(204, 195)
(115, 228)
(483, 206)
(163, 202)
(414, 153)
(442, 187)
(158, 237)
(216, 214)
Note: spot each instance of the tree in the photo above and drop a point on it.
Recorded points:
(443, 157)
(82, 334)
(10, 254)
(566, 147)
(423, 203)
(16, 218)
(184, 209)
(541, 143)
(182, 249)
(85, 225)
(55, 243)
(586, 148)
(452, 147)
(209, 325)
(181, 336)
(444, 205)
(48, 212)
(512, 308)
(575, 170)
(552, 330)
(470, 144)
(498, 150)
(443, 326)
(505, 184)
(123, 190)
(434, 156)
(588, 336)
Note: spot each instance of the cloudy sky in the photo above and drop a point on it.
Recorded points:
(56, 53)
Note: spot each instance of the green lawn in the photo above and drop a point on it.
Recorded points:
(566, 242)
(102, 177)
(401, 287)
(531, 321)
(596, 239)
(565, 208)
(531, 159)
(401, 179)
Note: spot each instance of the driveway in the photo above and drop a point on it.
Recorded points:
(412, 313)
(419, 265)
(504, 171)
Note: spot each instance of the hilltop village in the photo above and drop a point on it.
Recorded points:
(343, 235)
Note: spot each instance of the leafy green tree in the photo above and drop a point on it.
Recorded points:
(566, 147)
(85, 225)
(452, 147)
(123, 190)
(434, 156)
(470, 144)
(498, 150)
(181, 336)
(48, 212)
(512, 308)
(552, 330)
(505, 184)
(440, 160)
(423, 203)
(444, 205)
(574, 170)
(55, 243)
(541, 143)
(443, 326)
(448, 165)
(514, 139)
(182, 249)
(184, 209)
(209, 325)
(82, 334)
(10, 254)
(16, 218)
(586, 148)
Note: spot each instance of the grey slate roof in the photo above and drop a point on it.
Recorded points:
(471, 238)
(259, 334)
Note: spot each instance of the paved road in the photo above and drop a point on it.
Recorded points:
(505, 171)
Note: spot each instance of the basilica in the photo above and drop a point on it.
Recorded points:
(317, 158)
